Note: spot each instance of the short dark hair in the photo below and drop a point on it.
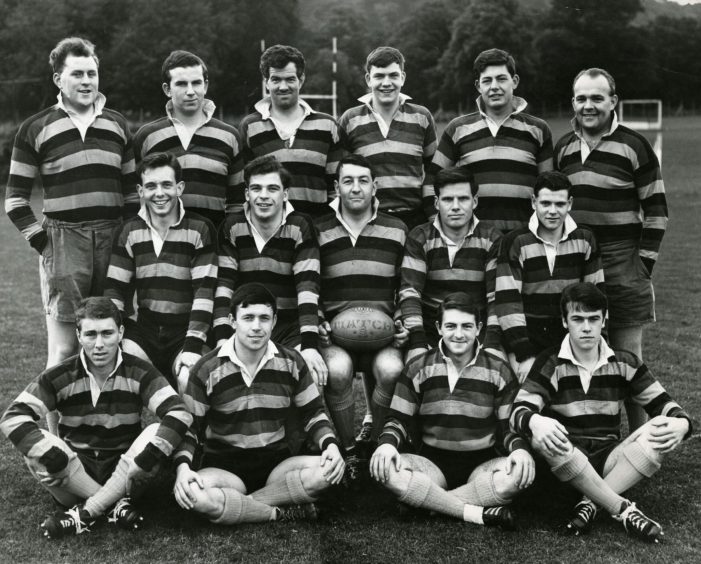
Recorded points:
(552, 180)
(460, 301)
(181, 58)
(76, 46)
(97, 307)
(279, 56)
(353, 159)
(593, 73)
(250, 294)
(582, 296)
(264, 165)
(493, 57)
(383, 57)
(157, 160)
(454, 175)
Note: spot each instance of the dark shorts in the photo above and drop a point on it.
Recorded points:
(99, 465)
(162, 344)
(73, 264)
(253, 466)
(631, 299)
(457, 466)
(597, 451)
(287, 334)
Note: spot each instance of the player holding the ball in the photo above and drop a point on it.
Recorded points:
(469, 465)
(361, 252)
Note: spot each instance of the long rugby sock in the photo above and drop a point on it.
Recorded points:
(239, 508)
(633, 464)
(581, 474)
(480, 490)
(423, 492)
(291, 490)
(368, 386)
(342, 408)
(114, 489)
(380, 404)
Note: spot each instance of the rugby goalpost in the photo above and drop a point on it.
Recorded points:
(644, 115)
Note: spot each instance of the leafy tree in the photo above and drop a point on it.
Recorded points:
(483, 24)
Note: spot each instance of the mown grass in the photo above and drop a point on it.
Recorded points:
(363, 527)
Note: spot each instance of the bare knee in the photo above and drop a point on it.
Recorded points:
(340, 366)
(313, 480)
(208, 502)
(386, 367)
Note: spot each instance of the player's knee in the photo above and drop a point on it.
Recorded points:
(397, 482)
(208, 501)
(505, 485)
(387, 367)
(340, 367)
(314, 481)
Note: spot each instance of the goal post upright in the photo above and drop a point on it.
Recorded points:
(633, 113)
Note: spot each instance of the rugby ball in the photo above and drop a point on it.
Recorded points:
(362, 329)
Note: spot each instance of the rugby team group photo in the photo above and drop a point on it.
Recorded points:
(263, 317)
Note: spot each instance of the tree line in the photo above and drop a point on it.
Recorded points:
(552, 40)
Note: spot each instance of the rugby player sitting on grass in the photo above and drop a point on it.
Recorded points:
(241, 394)
(570, 409)
(102, 455)
(461, 395)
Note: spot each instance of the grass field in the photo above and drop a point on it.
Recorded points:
(363, 527)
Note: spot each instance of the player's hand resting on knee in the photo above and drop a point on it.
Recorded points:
(549, 435)
(316, 366)
(332, 464)
(521, 466)
(382, 459)
(186, 479)
(665, 433)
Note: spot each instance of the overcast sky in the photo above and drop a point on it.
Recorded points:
(686, 1)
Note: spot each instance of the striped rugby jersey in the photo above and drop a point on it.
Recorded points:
(230, 416)
(212, 163)
(311, 157)
(82, 180)
(618, 190)
(474, 416)
(527, 298)
(109, 426)
(173, 288)
(288, 266)
(554, 389)
(427, 275)
(505, 166)
(399, 159)
(366, 273)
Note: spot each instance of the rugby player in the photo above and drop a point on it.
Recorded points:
(361, 252)
(535, 264)
(469, 465)
(283, 125)
(167, 256)
(269, 242)
(454, 252)
(505, 147)
(608, 162)
(82, 153)
(240, 394)
(209, 150)
(569, 410)
(101, 458)
(397, 137)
